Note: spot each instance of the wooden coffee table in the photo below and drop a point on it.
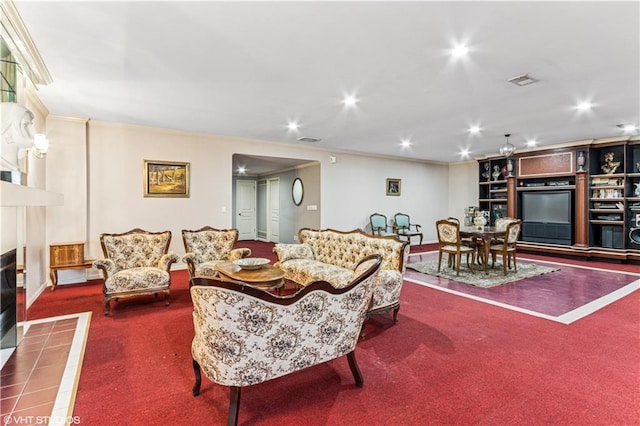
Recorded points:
(268, 277)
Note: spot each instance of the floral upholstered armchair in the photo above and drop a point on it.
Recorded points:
(206, 247)
(135, 263)
(245, 336)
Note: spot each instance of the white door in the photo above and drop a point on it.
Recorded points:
(274, 210)
(262, 211)
(246, 209)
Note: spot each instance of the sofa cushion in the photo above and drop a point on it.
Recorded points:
(293, 251)
(147, 278)
(305, 271)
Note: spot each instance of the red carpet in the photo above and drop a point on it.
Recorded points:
(449, 360)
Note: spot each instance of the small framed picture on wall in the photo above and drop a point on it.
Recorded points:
(393, 186)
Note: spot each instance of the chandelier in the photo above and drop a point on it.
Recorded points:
(508, 149)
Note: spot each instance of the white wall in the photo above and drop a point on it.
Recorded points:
(463, 184)
(351, 189)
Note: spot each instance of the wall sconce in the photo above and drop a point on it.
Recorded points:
(40, 145)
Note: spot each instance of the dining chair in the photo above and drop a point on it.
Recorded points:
(507, 249)
(449, 242)
(379, 225)
(471, 242)
(402, 227)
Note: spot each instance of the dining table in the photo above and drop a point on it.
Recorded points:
(484, 235)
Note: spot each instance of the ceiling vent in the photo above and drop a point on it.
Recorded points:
(308, 139)
(522, 80)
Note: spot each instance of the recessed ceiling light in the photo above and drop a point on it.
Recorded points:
(474, 130)
(292, 126)
(242, 170)
(459, 51)
(628, 128)
(464, 152)
(406, 143)
(584, 106)
(350, 101)
(532, 142)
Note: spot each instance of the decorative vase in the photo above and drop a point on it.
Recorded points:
(581, 162)
(479, 221)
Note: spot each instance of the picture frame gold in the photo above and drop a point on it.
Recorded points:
(162, 179)
(394, 186)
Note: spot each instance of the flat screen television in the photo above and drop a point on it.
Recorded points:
(547, 207)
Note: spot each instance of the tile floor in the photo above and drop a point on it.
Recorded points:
(564, 296)
(39, 378)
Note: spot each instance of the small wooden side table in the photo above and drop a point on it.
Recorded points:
(66, 256)
(267, 277)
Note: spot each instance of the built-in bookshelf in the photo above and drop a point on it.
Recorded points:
(597, 184)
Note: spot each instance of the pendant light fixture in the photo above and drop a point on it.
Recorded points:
(508, 149)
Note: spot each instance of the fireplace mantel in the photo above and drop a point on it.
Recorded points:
(12, 195)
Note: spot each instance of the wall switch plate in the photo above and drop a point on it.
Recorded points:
(312, 207)
(223, 209)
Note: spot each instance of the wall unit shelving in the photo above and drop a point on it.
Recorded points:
(601, 180)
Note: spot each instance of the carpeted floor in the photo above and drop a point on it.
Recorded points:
(449, 360)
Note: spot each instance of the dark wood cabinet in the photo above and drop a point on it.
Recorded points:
(579, 200)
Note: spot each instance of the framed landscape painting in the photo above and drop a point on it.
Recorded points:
(166, 179)
(393, 186)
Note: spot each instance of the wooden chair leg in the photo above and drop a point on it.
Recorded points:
(458, 259)
(505, 262)
(234, 406)
(353, 365)
(439, 259)
(395, 314)
(196, 371)
(515, 265)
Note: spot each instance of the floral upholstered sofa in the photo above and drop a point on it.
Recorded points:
(206, 247)
(330, 255)
(244, 336)
(136, 262)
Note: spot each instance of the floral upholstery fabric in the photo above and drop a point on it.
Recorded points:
(448, 233)
(335, 255)
(144, 278)
(137, 249)
(207, 247)
(293, 251)
(242, 340)
(136, 262)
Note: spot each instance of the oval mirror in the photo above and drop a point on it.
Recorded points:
(297, 191)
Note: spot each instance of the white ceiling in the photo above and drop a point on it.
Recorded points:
(247, 68)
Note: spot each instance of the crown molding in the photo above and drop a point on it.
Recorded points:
(19, 41)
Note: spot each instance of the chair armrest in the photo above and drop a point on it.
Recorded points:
(189, 257)
(416, 225)
(107, 266)
(166, 260)
(239, 253)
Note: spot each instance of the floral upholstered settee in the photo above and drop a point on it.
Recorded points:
(330, 255)
(206, 247)
(135, 263)
(245, 336)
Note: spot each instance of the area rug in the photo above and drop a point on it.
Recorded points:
(492, 278)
